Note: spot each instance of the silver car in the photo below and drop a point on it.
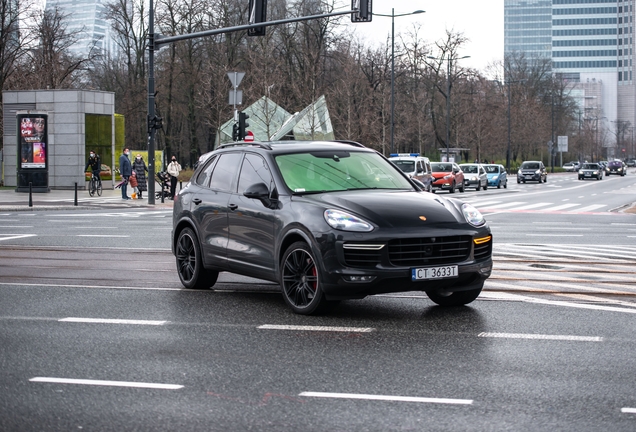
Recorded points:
(475, 176)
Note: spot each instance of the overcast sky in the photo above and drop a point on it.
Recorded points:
(481, 21)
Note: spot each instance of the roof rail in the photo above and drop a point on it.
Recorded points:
(265, 146)
(353, 143)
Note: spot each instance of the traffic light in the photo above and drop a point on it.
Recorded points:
(364, 10)
(235, 132)
(242, 125)
(155, 123)
(258, 14)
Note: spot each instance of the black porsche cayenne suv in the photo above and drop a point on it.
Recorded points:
(327, 221)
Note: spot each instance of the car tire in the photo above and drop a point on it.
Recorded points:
(478, 188)
(506, 185)
(545, 180)
(518, 181)
(499, 185)
(301, 280)
(462, 188)
(190, 263)
(486, 186)
(458, 298)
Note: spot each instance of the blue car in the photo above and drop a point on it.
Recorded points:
(497, 175)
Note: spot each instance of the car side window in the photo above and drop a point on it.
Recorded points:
(254, 170)
(224, 174)
(203, 178)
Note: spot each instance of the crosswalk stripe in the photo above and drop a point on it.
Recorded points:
(591, 208)
(563, 206)
(533, 206)
(501, 206)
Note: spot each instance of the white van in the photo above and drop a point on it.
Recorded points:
(415, 166)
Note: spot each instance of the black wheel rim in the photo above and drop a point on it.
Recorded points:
(300, 278)
(91, 188)
(99, 190)
(186, 258)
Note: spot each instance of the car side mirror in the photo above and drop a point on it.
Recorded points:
(259, 191)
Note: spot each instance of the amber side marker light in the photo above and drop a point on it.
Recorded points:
(482, 240)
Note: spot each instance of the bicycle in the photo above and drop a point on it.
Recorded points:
(95, 185)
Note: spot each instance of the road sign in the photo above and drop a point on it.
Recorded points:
(236, 97)
(562, 144)
(249, 136)
(235, 78)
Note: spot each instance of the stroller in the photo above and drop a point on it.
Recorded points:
(163, 178)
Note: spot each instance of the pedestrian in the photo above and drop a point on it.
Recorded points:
(173, 169)
(134, 185)
(140, 169)
(125, 170)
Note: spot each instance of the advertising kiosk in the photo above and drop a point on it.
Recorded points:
(33, 166)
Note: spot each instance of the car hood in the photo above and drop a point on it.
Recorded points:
(393, 209)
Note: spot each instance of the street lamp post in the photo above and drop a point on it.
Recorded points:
(392, 16)
(448, 89)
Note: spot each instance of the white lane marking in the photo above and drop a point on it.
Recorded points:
(515, 297)
(541, 336)
(316, 328)
(622, 224)
(628, 410)
(555, 235)
(102, 235)
(387, 398)
(112, 321)
(107, 383)
(19, 284)
(501, 206)
(14, 237)
(93, 227)
(15, 226)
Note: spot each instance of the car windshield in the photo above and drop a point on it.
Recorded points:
(615, 164)
(328, 171)
(590, 166)
(529, 165)
(408, 166)
(492, 169)
(470, 169)
(441, 167)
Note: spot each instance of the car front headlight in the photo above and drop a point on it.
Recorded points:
(472, 215)
(580, 171)
(519, 172)
(495, 177)
(473, 178)
(448, 177)
(537, 172)
(595, 173)
(343, 221)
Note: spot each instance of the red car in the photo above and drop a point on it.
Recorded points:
(447, 176)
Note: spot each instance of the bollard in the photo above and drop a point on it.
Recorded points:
(76, 194)
(30, 194)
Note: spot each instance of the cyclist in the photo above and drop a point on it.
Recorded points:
(95, 163)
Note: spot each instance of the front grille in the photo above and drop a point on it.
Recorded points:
(429, 251)
(483, 250)
(362, 258)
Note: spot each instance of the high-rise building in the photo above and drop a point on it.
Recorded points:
(590, 44)
(87, 21)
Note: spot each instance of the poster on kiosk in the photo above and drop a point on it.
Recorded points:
(33, 153)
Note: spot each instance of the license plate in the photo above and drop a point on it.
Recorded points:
(428, 273)
(528, 176)
(588, 175)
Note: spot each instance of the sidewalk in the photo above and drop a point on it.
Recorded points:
(10, 200)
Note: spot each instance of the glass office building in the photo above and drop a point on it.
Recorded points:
(86, 18)
(590, 44)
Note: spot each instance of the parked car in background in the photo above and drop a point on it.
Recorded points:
(616, 167)
(474, 176)
(415, 166)
(447, 176)
(590, 171)
(572, 166)
(497, 175)
(327, 221)
(631, 163)
(532, 171)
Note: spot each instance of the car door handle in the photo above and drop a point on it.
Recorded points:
(197, 201)
(232, 206)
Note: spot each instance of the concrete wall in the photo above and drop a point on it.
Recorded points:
(66, 111)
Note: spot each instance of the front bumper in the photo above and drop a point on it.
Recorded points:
(375, 273)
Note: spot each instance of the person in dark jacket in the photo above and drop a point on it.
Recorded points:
(96, 165)
(140, 169)
(125, 170)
